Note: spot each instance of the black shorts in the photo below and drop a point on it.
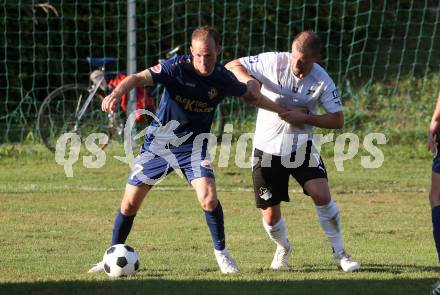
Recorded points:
(271, 174)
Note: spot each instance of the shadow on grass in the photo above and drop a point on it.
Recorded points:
(374, 268)
(398, 269)
(225, 285)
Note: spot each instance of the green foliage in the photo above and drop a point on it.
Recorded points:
(367, 44)
(402, 115)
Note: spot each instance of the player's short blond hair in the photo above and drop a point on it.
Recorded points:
(205, 32)
(307, 41)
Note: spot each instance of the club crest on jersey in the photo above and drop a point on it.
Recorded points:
(156, 69)
(265, 193)
(206, 164)
(212, 93)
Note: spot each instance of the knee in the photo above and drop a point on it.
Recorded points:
(133, 197)
(209, 202)
(321, 198)
(270, 216)
(434, 198)
(129, 208)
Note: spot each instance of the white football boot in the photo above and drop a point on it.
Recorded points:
(345, 262)
(281, 258)
(436, 288)
(225, 261)
(99, 267)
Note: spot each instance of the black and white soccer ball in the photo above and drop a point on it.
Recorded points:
(120, 260)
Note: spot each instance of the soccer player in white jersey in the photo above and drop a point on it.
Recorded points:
(283, 143)
(434, 194)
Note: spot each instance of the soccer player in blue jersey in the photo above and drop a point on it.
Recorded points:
(434, 194)
(194, 85)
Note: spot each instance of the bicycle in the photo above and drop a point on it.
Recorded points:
(77, 108)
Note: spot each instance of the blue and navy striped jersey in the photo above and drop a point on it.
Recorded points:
(189, 98)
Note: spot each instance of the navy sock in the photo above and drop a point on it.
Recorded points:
(436, 228)
(121, 228)
(214, 219)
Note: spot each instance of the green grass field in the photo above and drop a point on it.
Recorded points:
(53, 228)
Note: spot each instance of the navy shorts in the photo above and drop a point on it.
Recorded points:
(150, 168)
(436, 161)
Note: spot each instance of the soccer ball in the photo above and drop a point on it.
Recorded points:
(120, 260)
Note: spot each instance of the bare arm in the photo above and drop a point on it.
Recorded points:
(253, 95)
(110, 102)
(434, 127)
(329, 120)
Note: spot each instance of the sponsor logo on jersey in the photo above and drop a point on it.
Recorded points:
(156, 69)
(212, 93)
(310, 92)
(190, 84)
(336, 98)
(253, 59)
(265, 193)
(194, 105)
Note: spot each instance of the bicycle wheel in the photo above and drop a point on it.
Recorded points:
(59, 114)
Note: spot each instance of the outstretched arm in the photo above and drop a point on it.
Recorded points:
(253, 95)
(434, 127)
(110, 102)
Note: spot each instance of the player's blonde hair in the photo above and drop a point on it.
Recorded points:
(205, 32)
(307, 41)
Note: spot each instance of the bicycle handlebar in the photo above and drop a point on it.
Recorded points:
(100, 61)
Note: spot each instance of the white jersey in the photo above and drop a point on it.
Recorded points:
(273, 70)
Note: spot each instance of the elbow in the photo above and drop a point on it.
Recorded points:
(229, 65)
(232, 64)
(250, 99)
(335, 121)
(340, 121)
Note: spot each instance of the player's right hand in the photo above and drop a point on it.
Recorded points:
(295, 116)
(109, 103)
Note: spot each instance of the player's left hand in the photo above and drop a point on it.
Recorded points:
(432, 141)
(295, 116)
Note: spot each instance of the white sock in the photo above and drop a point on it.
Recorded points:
(224, 251)
(329, 218)
(277, 232)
